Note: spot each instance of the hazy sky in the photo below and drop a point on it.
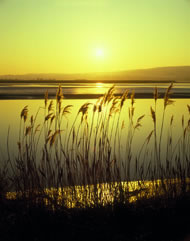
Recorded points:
(67, 36)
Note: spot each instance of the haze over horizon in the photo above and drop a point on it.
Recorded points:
(171, 73)
(85, 36)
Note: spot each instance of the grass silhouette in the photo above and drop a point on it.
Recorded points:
(84, 174)
(90, 161)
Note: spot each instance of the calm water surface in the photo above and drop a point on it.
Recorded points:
(89, 90)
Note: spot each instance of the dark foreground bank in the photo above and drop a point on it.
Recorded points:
(158, 219)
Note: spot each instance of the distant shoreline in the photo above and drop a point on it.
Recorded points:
(165, 74)
(88, 96)
(83, 81)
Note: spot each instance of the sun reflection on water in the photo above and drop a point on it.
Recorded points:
(99, 85)
(103, 194)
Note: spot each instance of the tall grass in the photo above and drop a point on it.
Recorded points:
(91, 161)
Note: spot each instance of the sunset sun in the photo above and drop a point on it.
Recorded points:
(99, 53)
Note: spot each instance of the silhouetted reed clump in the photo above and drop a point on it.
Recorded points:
(90, 161)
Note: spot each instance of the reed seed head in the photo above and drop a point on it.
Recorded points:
(28, 130)
(50, 107)
(94, 108)
(59, 95)
(109, 96)
(67, 109)
(167, 100)
(84, 108)
(153, 114)
(140, 118)
(51, 139)
(123, 98)
(24, 113)
(52, 118)
(149, 136)
(137, 125)
(47, 117)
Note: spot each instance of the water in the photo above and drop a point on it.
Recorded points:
(87, 90)
(15, 97)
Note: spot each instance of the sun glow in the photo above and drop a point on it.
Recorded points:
(99, 53)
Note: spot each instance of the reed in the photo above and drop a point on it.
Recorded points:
(91, 162)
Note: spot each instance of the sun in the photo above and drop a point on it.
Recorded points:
(99, 53)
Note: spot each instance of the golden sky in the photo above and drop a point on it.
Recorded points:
(74, 36)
